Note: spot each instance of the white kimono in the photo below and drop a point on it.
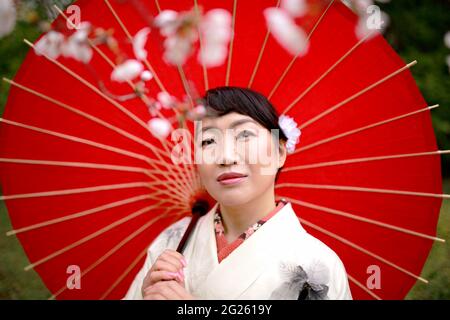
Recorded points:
(278, 261)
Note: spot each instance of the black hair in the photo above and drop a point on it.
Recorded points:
(220, 101)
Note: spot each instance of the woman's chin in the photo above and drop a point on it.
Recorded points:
(234, 198)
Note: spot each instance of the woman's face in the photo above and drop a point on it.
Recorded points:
(237, 158)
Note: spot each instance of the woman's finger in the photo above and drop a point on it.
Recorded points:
(164, 288)
(161, 265)
(177, 255)
(179, 290)
(156, 276)
(172, 260)
(154, 296)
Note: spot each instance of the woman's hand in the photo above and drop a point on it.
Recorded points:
(167, 290)
(168, 266)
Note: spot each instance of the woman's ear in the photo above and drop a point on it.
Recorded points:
(282, 153)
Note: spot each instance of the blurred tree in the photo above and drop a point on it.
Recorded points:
(416, 31)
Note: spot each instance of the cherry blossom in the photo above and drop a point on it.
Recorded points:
(160, 128)
(296, 8)
(177, 50)
(167, 22)
(50, 44)
(127, 71)
(139, 42)
(77, 45)
(447, 39)
(181, 32)
(371, 17)
(7, 17)
(216, 32)
(166, 100)
(290, 36)
(146, 75)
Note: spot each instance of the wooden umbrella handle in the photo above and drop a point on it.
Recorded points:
(199, 209)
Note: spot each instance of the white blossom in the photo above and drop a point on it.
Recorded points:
(286, 32)
(180, 32)
(126, 71)
(370, 17)
(177, 50)
(50, 44)
(290, 130)
(296, 8)
(7, 17)
(447, 39)
(160, 128)
(166, 100)
(216, 32)
(362, 5)
(139, 42)
(167, 22)
(146, 75)
(371, 20)
(77, 45)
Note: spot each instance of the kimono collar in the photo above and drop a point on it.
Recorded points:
(233, 275)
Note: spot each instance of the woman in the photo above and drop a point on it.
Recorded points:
(249, 245)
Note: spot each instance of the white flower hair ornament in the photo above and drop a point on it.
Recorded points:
(290, 130)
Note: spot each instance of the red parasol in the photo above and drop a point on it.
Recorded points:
(86, 184)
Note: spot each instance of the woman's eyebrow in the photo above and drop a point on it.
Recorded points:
(232, 125)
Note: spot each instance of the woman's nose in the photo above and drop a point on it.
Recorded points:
(228, 154)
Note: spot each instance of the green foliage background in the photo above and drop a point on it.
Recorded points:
(416, 31)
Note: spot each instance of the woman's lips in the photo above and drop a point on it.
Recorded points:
(231, 178)
(232, 181)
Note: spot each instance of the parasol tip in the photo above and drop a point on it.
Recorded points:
(201, 207)
(423, 280)
(28, 42)
(10, 233)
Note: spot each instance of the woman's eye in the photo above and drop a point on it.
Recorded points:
(245, 134)
(207, 142)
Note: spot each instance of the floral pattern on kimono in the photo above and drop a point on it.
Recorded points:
(301, 284)
(223, 247)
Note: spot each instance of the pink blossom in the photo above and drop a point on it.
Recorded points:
(197, 113)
